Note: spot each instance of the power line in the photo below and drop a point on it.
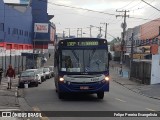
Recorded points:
(150, 5)
(135, 5)
(77, 8)
(127, 4)
(89, 10)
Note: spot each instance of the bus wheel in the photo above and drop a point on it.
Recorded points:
(100, 95)
(56, 90)
(60, 95)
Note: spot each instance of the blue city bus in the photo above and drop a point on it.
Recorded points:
(81, 66)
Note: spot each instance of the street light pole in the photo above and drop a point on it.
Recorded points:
(91, 30)
(34, 42)
(132, 51)
(10, 55)
(106, 30)
(78, 32)
(81, 32)
(63, 34)
(68, 32)
(106, 27)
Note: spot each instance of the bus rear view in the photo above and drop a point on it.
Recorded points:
(82, 66)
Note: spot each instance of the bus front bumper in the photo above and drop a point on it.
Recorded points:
(100, 86)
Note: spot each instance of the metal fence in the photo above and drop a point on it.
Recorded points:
(17, 62)
(141, 71)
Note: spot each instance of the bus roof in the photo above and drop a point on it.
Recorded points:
(85, 38)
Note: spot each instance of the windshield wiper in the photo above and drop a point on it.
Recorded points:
(75, 55)
(90, 58)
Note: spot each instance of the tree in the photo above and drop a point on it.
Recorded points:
(113, 42)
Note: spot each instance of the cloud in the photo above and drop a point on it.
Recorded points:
(65, 2)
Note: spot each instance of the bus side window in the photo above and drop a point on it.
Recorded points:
(56, 62)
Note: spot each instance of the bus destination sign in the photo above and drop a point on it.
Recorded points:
(83, 43)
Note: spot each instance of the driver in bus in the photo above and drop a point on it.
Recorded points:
(68, 62)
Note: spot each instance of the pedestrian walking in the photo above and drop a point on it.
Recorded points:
(1, 72)
(49, 55)
(10, 74)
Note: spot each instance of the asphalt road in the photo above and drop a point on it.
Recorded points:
(44, 98)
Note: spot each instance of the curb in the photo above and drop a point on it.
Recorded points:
(16, 92)
(137, 92)
(24, 106)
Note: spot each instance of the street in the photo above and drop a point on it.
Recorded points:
(44, 98)
(81, 47)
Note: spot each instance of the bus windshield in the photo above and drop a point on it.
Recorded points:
(90, 60)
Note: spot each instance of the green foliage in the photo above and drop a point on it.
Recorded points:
(116, 40)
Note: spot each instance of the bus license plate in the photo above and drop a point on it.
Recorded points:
(84, 87)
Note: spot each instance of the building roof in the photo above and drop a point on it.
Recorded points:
(50, 17)
(16, 4)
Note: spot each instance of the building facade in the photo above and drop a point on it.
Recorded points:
(145, 64)
(17, 32)
(40, 15)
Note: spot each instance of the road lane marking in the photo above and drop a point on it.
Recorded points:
(38, 110)
(150, 109)
(120, 100)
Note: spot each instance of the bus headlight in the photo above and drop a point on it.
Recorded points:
(106, 78)
(61, 79)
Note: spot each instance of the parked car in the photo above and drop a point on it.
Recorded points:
(37, 73)
(47, 72)
(29, 77)
(52, 70)
(43, 76)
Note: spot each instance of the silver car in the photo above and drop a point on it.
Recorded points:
(29, 77)
(37, 73)
(52, 70)
(43, 76)
(47, 72)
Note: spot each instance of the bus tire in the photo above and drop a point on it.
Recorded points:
(56, 90)
(100, 95)
(60, 95)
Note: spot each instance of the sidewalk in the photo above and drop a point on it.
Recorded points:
(151, 91)
(8, 97)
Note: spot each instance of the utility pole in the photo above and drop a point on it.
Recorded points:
(106, 30)
(90, 29)
(79, 29)
(77, 32)
(68, 32)
(124, 25)
(132, 51)
(63, 34)
(106, 27)
(100, 30)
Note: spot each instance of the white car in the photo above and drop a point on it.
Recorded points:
(37, 73)
(43, 76)
(47, 72)
(52, 70)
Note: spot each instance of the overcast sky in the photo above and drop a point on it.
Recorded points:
(76, 18)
